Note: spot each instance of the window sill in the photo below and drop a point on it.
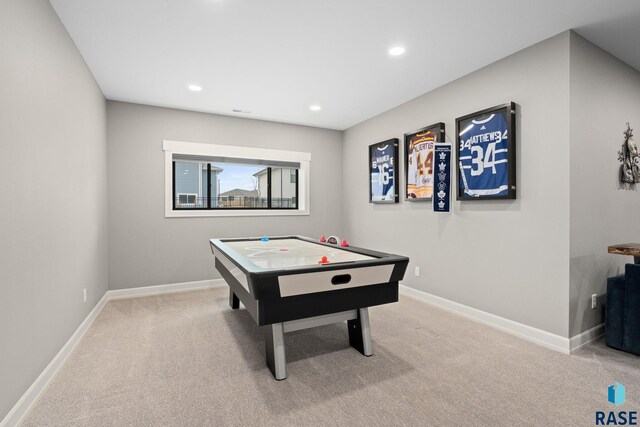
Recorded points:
(232, 213)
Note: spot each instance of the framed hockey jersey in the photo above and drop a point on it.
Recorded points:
(383, 175)
(419, 161)
(486, 154)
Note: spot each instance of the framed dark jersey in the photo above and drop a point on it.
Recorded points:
(486, 154)
(418, 161)
(383, 175)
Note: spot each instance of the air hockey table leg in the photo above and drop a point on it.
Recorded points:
(234, 302)
(360, 332)
(275, 350)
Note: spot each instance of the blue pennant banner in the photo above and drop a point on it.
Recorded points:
(442, 177)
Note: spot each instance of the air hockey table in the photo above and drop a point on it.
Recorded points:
(291, 283)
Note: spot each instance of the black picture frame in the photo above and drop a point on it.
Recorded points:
(383, 166)
(481, 153)
(414, 164)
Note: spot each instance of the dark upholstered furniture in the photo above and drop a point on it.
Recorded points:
(623, 310)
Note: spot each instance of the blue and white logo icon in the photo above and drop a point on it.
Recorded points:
(616, 394)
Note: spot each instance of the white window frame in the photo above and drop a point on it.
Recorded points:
(171, 147)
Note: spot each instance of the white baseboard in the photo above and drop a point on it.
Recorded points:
(586, 337)
(165, 289)
(22, 407)
(529, 333)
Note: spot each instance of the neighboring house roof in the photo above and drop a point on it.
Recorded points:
(240, 192)
(260, 172)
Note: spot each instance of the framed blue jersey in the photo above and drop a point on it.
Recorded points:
(383, 184)
(486, 154)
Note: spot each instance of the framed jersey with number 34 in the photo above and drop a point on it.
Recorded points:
(383, 175)
(486, 154)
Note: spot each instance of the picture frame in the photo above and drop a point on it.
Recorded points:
(383, 173)
(486, 154)
(419, 161)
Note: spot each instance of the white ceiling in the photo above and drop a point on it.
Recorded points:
(275, 58)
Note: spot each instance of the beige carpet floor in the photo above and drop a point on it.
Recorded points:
(187, 359)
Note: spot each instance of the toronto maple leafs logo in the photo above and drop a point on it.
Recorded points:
(441, 194)
(442, 166)
(442, 176)
(441, 204)
(443, 156)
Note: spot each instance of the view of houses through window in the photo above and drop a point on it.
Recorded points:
(227, 185)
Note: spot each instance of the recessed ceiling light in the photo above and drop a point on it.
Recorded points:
(195, 88)
(315, 108)
(397, 50)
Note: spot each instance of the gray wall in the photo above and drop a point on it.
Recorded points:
(605, 94)
(145, 248)
(508, 258)
(53, 228)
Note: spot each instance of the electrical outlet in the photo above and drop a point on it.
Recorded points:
(594, 301)
(417, 271)
(84, 295)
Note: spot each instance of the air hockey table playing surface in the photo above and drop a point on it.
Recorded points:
(291, 253)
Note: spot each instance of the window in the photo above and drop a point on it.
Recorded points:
(225, 183)
(186, 200)
(219, 180)
(190, 184)
(284, 190)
